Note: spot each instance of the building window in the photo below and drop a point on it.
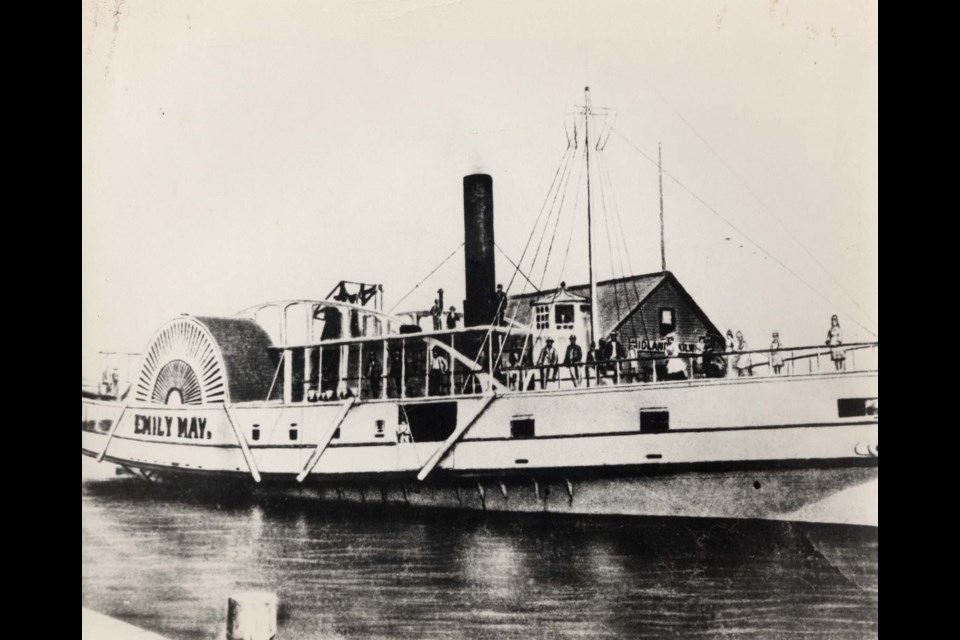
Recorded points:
(522, 428)
(543, 317)
(668, 321)
(654, 420)
(564, 316)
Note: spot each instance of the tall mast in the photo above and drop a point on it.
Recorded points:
(663, 243)
(594, 332)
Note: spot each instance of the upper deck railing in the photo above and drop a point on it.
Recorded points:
(657, 367)
(471, 361)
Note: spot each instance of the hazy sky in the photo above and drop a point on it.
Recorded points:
(235, 152)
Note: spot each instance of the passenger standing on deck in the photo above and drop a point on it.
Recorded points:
(776, 358)
(436, 311)
(731, 349)
(676, 369)
(105, 382)
(744, 363)
(501, 300)
(603, 354)
(374, 374)
(633, 366)
(834, 340)
(699, 370)
(614, 355)
(572, 359)
(396, 371)
(513, 375)
(452, 318)
(591, 367)
(438, 372)
(115, 381)
(548, 364)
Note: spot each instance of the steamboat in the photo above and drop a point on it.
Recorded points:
(640, 410)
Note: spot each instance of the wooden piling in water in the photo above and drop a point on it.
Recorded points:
(252, 616)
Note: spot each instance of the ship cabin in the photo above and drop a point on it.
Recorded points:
(330, 350)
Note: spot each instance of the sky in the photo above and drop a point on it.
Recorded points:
(236, 152)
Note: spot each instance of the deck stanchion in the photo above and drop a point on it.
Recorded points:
(113, 430)
(325, 439)
(244, 447)
(458, 433)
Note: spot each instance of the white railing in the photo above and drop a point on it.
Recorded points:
(656, 367)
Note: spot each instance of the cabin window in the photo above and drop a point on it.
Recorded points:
(293, 431)
(858, 407)
(543, 317)
(380, 427)
(654, 420)
(668, 321)
(255, 433)
(564, 316)
(522, 428)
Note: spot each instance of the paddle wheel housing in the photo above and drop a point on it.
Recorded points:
(198, 361)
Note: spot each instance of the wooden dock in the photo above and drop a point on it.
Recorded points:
(97, 626)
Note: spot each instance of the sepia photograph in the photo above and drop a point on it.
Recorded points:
(479, 319)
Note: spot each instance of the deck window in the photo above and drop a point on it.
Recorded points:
(522, 428)
(858, 407)
(654, 420)
(543, 316)
(564, 316)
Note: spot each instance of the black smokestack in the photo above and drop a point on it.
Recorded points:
(480, 307)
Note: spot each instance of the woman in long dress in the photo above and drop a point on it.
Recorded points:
(731, 347)
(744, 363)
(776, 358)
(834, 340)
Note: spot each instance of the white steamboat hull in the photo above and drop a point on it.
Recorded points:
(767, 449)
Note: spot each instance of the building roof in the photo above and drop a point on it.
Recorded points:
(618, 299)
(561, 295)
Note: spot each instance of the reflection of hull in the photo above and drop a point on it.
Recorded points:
(774, 448)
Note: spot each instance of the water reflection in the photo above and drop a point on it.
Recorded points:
(168, 563)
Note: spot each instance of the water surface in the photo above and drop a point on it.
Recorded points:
(168, 562)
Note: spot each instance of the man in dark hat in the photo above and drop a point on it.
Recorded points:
(436, 312)
(613, 353)
(438, 372)
(572, 359)
(501, 300)
(548, 364)
(374, 374)
(452, 318)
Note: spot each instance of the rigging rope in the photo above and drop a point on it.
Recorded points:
(740, 232)
(525, 276)
(556, 225)
(605, 172)
(764, 205)
(606, 224)
(564, 161)
(427, 277)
